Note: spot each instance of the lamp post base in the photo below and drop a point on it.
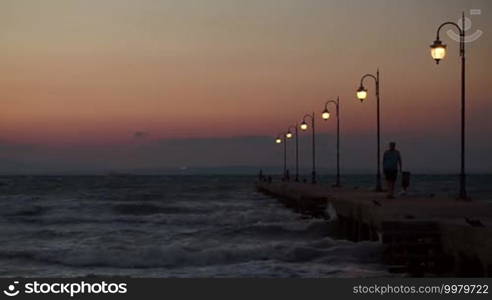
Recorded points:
(379, 187)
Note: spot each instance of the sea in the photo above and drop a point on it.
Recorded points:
(180, 226)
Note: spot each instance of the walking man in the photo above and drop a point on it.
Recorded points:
(391, 164)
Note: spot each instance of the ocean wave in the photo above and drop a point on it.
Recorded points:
(316, 228)
(182, 255)
(150, 213)
(164, 225)
(32, 211)
(149, 209)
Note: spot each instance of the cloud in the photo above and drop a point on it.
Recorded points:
(140, 134)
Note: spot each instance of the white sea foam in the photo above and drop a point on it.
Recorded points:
(161, 226)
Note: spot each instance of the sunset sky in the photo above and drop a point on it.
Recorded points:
(116, 84)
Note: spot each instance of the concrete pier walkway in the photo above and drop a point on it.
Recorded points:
(420, 234)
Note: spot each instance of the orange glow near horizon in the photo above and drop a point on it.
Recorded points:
(90, 72)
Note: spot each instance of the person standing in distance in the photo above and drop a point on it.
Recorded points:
(391, 164)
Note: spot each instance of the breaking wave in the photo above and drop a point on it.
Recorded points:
(165, 226)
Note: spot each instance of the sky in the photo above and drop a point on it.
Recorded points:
(92, 86)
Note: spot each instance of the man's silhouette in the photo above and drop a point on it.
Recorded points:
(391, 163)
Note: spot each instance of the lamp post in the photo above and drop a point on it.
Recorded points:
(326, 115)
(304, 126)
(279, 140)
(362, 95)
(438, 52)
(288, 135)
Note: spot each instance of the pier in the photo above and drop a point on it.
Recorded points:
(421, 235)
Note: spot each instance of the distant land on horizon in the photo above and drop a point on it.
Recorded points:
(230, 170)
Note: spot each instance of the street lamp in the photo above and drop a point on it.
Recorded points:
(289, 135)
(326, 115)
(362, 95)
(280, 140)
(438, 52)
(304, 126)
